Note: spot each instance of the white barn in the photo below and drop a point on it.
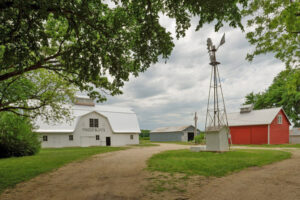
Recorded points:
(92, 125)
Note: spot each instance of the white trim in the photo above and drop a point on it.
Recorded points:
(53, 131)
(286, 116)
(279, 119)
(269, 134)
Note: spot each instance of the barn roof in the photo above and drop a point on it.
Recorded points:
(255, 117)
(171, 129)
(121, 120)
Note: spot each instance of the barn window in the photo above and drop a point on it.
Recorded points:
(45, 138)
(131, 137)
(71, 137)
(97, 137)
(279, 119)
(94, 123)
(91, 122)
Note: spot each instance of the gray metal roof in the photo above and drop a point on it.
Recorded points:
(255, 117)
(171, 129)
(121, 120)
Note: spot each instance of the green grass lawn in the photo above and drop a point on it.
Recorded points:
(212, 164)
(19, 169)
(272, 145)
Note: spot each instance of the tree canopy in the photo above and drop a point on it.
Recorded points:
(275, 28)
(94, 45)
(284, 91)
(37, 93)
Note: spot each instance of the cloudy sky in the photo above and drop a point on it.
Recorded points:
(168, 94)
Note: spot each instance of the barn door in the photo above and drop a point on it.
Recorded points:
(107, 141)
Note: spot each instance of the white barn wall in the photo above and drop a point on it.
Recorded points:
(119, 139)
(57, 140)
(86, 136)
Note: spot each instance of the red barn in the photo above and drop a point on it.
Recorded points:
(266, 126)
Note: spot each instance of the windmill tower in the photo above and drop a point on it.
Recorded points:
(216, 124)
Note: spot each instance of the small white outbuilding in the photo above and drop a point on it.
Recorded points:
(92, 125)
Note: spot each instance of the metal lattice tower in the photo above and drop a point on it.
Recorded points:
(216, 116)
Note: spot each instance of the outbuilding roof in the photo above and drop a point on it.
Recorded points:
(171, 129)
(255, 117)
(121, 120)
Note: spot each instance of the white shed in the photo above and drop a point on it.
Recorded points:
(92, 125)
(176, 133)
(295, 136)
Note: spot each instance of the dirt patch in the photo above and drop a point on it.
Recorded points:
(121, 175)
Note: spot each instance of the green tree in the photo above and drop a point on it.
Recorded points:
(16, 136)
(96, 46)
(40, 93)
(284, 91)
(250, 98)
(145, 133)
(275, 28)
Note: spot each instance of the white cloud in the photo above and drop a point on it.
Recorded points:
(168, 94)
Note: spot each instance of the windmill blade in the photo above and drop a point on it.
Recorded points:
(209, 44)
(222, 40)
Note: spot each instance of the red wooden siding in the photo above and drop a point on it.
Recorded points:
(279, 133)
(249, 134)
(258, 134)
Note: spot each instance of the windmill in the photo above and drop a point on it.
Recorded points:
(216, 123)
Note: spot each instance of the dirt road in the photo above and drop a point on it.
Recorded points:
(277, 181)
(120, 175)
(109, 176)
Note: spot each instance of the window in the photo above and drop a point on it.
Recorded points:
(97, 137)
(45, 138)
(279, 119)
(94, 123)
(71, 137)
(131, 137)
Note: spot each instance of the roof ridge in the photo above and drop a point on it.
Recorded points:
(258, 110)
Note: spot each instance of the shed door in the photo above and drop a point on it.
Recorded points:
(190, 136)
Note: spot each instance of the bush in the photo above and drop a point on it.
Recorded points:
(199, 139)
(145, 133)
(16, 136)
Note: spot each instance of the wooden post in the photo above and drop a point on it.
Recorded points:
(195, 130)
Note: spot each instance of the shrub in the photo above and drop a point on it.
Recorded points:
(199, 139)
(16, 136)
(144, 133)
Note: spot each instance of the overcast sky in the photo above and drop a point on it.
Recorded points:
(168, 94)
